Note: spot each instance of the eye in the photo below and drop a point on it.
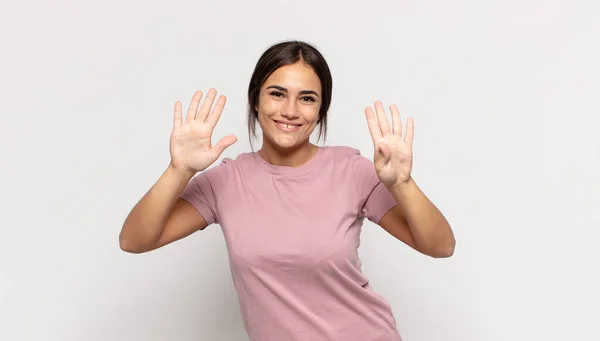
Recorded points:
(308, 98)
(276, 94)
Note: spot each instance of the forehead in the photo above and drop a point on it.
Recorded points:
(298, 76)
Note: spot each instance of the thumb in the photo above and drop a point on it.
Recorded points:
(223, 144)
(384, 150)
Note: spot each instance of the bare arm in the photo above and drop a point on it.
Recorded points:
(161, 217)
(418, 222)
(415, 220)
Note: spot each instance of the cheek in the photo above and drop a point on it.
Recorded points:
(310, 114)
(269, 107)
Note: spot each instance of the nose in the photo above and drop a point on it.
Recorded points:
(290, 110)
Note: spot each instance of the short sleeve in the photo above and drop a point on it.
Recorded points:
(203, 189)
(374, 198)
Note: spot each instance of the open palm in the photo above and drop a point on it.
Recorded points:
(190, 144)
(393, 153)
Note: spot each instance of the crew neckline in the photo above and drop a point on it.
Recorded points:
(303, 169)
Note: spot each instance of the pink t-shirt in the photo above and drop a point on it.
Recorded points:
(292, 235)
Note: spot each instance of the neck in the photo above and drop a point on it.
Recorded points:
(290, 157)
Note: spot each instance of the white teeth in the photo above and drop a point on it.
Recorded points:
(289, 126)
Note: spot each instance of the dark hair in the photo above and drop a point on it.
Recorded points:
(287, 53)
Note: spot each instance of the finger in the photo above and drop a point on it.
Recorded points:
(410, 131)
(193, 109)
(373, 125)
(213, 118)
(383, 122)
(396, 120)
(207, 105)
(177, 115)
(223, 144)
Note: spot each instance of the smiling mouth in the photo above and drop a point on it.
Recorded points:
(287, 126)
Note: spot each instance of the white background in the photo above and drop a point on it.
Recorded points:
(505, 100)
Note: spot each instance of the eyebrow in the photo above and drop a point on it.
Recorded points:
(303, 92)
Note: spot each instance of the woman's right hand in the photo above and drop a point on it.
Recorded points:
(190, 145)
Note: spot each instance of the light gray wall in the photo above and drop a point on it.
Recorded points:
(505, 101)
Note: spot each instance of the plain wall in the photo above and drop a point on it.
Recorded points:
(505, 101)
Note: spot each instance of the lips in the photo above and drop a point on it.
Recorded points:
(287, 127)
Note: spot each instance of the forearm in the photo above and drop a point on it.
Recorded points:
(430, 229)
(146, 221)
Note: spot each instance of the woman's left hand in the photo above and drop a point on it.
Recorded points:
(393, 153)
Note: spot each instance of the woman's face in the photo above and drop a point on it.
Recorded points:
(289, 103)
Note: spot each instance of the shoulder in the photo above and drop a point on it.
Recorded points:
(230, 162)
(341, 151)
(361, 168)
(349, 163)
(231, 167)
(348, 155)
(220, 170)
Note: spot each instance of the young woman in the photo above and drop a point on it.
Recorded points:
(292, 212)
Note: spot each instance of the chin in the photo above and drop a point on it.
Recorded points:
(285, 142)
(281, 141)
